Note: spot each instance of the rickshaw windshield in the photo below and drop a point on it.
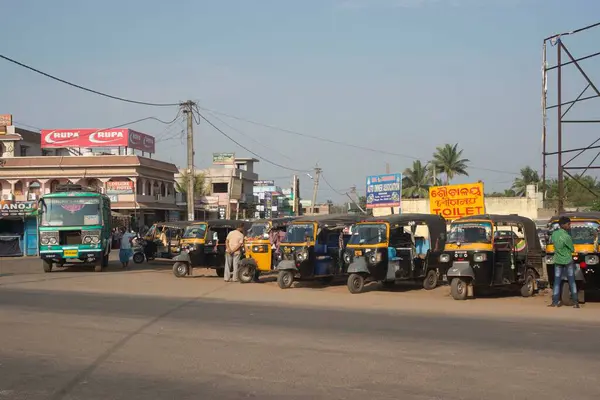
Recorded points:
(299, 233)
(470, 232)
(258, 231)
(582, 232)
(195, 232)
(369, 234)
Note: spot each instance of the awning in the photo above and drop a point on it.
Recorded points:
(119, 215)
(130, 205)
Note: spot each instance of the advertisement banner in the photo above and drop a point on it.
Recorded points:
(141, 141)
(384, 191)
(223, 158)
(65, 138)
(456, 201)
(119, 187)
(264, 183)
(5, 120)
(17, 208)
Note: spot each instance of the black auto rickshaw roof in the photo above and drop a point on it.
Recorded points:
(577, 215)
(435, 223)
(529, 226)
(226, 223)
(332, 219)
(275, 222)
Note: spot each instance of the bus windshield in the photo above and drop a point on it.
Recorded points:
(470, 232)
(582, 232)
(195, 232)
(299, 233)
(71, 211)
(369, 234)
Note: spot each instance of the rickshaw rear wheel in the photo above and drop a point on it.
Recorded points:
(528, 288)
(356, 283)
(138, 258)
(459, 288)
(431, 280)
(565, 294)
(47, 265)
(220, 272)
(285, 279)
(245, 273)
(180, 269)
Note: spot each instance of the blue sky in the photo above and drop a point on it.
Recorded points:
(400, 75)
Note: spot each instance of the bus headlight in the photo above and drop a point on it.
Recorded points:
(592, 260)
(479, 257)
(445, 258)
(95, 239)
(45, 240)
(53, 240)
(87, 240)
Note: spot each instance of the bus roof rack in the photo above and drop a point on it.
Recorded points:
(71, 187)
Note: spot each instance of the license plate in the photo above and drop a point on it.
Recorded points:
(287, 250)
(70, 253)
(357, 253)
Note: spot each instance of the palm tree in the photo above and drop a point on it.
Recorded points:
(447, 160)
(415, 181)
(199, 183)
(528, 177)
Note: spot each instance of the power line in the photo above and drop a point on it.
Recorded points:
(247, 149)
(20, 64)
(331, 187)
(378, 151)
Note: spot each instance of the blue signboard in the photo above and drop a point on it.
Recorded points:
(384, 190)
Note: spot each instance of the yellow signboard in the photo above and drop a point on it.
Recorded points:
(457, 201)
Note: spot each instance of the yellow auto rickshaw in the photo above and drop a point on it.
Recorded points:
(162, 239)
(262, 248)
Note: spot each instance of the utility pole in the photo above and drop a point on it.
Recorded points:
(295, 199)
(387, 168)
(315, 189)
(433, 178)
(188, 109)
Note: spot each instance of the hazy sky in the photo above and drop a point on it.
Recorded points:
(400, 75)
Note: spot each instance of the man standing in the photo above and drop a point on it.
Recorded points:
(125, 250)
(233, 248)
(563, 261)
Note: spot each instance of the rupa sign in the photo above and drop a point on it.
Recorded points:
(64, 138)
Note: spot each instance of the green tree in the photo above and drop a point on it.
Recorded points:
(199, 183)
(415, 181)
(448, 161)
(528, 177)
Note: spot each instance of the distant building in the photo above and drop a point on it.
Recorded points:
(320, 209)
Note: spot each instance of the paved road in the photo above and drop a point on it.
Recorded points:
(204, 339)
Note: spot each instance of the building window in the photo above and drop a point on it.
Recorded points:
(220, 188)
(19, 188)
(24, 150)
(46, 152)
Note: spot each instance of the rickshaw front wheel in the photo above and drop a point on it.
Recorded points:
(528, 288)
(431, 280)
(459, 289)
(245, 273)
(180, 269)
(565, 294)
(285, 279)
(356, 283)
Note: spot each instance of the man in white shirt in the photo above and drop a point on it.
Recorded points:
(233, 248)
(126, 251)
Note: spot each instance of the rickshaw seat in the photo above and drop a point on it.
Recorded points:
(392, 254)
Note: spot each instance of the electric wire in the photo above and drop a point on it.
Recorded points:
(144, 103)
(359, 147)
(247, 149)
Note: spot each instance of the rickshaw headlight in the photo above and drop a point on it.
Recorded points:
(255, 249)
(347, 258)
(479, 257)
(445, 258)
(592, 260)
(302, 256)
(549, 259)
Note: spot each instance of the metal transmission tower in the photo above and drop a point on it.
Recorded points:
(564, 58)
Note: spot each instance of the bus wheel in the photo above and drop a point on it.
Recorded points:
(356, 283)
(180, 269)
(47, 265)
(459, 289)
(104, 262)
(285, 279)
(431, 280)
(528, 287)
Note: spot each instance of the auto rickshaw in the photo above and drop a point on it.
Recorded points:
(203, 246)
(313, 248)
(584, 231)
(394, 248)
(478, 258)
(162, 239)
(262, 255)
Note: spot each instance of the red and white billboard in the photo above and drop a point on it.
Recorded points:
(63, 138)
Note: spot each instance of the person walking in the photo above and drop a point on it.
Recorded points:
(563, 261)
(233, 249)
(125, 250)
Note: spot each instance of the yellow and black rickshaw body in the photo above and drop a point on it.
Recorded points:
(260, 257)
(318, 255)
(208, 252)
(499, 261)
(396, 255)
(586, 257)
